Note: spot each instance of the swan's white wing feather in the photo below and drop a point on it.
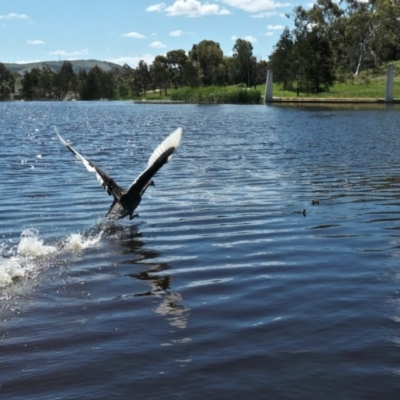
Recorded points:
(85, 162)
(104, 180)
(170, 141)
(167, 146)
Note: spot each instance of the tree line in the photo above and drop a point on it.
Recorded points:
(335, 40)
(204, 65)
(330, 41)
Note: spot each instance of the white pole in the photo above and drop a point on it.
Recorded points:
(268, 87)
(389, 85)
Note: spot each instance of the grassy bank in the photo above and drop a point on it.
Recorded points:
(368, 84)
(211, 95)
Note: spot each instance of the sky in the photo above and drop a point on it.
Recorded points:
(126, 31)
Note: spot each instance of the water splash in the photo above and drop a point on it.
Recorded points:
(31, 254)
(77, 242)
(31, 246)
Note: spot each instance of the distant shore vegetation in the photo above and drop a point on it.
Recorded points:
(334, 50)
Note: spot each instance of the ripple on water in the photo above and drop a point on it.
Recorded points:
(222, 277)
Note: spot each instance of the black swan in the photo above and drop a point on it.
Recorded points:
(126, 201)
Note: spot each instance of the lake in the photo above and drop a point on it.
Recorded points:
(231, 283)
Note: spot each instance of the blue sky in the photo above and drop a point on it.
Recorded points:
(126, 31)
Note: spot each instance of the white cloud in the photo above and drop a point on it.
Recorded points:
(14, 16)
(249, 38)
(27, 61)
(256, 5)
(133, 61)
(156, 7)
(194, 8)
(69, 53)
(180, 33)
(272, 28)
(133, 35)
(266, 14)
(176, 33)
(157, 45)
(275, 27)
(35, 42)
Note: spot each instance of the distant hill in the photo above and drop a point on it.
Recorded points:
(56, 65)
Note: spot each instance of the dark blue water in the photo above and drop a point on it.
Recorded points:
(222, 288)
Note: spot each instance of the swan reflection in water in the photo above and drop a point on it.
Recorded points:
(130, 243)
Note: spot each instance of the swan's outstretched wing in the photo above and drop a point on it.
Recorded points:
(106, 181)
(161, 155)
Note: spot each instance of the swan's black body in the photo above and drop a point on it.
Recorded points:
(126, 201)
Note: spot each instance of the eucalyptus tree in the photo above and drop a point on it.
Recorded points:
(190, 74)
(63, 80)
(107, 85)
(244, 62)
(209, 60)
(314, 55)
(90, 86)
(142, 77)
(124, 81)
(96, 84)
(283, 60)
(159, 76)
(174, 61)
(45, 84)
(7, 82)
(312, 52)
(372, 33)
(329, 17)
(29, 82)
(261, 72)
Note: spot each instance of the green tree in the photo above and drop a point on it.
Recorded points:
(96, 84)
(283, 60)
(190, 74)
(312, 55)
(90, 88)
(7, 82)
(124, 81)
(209, 59)
(142, 77)
(328, 17)
(107, 85)
(159, 76)
(45, 83)
(244, 62)
(64, 80)
(261, 72)
(174, 61)
(315, 62)
(372, 33)
(30, 83)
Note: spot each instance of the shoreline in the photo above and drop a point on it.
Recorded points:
(144, 101)
(330, 100)
(326, 100)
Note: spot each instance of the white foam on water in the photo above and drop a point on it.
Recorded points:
(10, 269)
(77, 242)
(31, 254)
(30, 246)
(18, 260)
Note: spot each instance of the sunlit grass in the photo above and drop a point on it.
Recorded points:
(368, 84)
(209, 95)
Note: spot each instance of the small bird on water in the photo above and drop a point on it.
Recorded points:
(126, 201)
